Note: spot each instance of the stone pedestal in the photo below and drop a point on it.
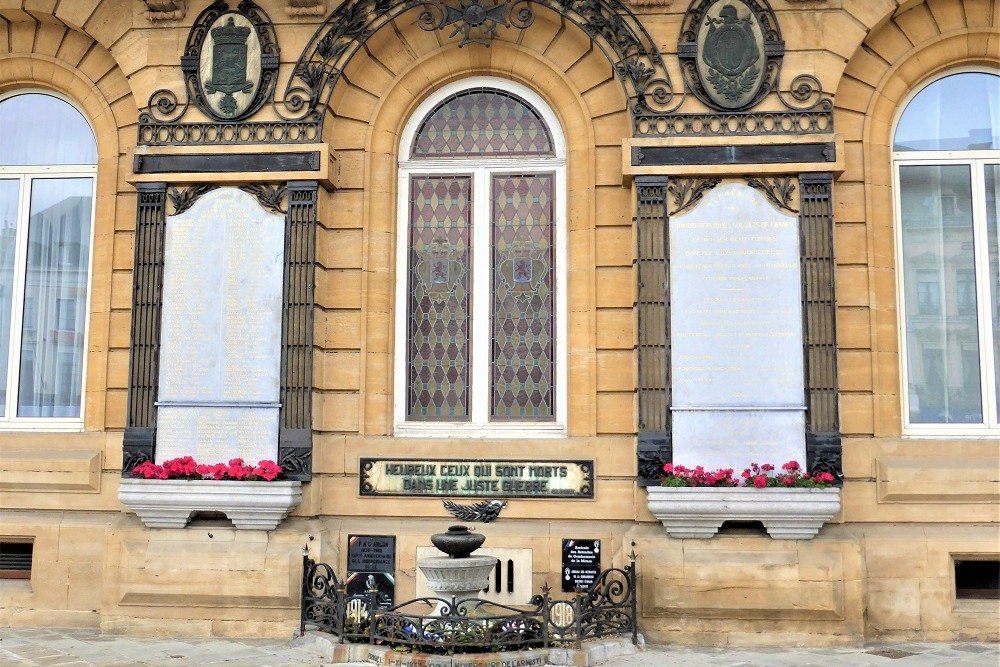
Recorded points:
(461, 578)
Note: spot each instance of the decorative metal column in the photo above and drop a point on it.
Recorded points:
(655, 447)
(823, 445)
(147, 300)
(295, 421)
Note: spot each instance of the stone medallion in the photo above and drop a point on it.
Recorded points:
(230, 65)
(230, 61)
(730, 51)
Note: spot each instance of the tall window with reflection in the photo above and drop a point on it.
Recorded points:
(48, 163)
(478, 338)
(946, 159)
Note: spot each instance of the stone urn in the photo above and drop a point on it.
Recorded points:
(458, 542)
(459, 575)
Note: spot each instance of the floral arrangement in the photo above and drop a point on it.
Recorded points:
(758, 476)
(792, 475)
(186, 467)
(680, 476)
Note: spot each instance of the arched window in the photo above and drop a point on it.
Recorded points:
(946, 160)
(480, 342)
(48, 164)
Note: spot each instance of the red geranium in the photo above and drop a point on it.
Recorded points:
(757, 475)
(185, 467)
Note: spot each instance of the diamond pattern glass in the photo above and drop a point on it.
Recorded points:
(483, 123)
(522, 354)
(439, 306)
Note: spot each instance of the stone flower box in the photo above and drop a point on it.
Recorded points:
(787, 513)
(170, 503)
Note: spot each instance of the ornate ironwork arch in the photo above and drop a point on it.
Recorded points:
(612, 27)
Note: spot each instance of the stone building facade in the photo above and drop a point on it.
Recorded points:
(921, 483)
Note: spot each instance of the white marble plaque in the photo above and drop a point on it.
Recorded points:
(220, 335)
(736, 331)
(216, 434)
(735, 439)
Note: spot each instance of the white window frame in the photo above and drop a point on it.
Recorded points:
(975, 160)
(480, 170)
(26, 175)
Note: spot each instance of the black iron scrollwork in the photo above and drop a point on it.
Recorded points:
(608, 608)
(474, 20)
(779, 190)
(687, 192)
(651, 464)
(486, 511)
(229, 66)
(723, 66)
(269, 196)
(131, 459)
(184, 198)
(610, 24)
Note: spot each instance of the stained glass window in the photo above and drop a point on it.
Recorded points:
(482, 123)
(481, 337)
(523, 297)
(438, 359)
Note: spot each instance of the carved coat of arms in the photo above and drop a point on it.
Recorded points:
(730, 51)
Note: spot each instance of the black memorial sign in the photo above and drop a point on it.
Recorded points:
(371, 553)
(581, 564)
(371, 563)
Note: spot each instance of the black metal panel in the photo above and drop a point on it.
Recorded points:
(647, 156)
(144, 350)
(823, 445)
(226, 162)
(655, 450)
(295, 435)
(654, 324)
(735, 124)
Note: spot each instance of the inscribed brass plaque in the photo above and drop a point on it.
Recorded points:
(479, 478)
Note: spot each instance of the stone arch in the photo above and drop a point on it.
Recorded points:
(49, 55)
(910, 47)
(610, 27)
(368, 110)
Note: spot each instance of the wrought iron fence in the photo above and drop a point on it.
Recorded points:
(435, 625)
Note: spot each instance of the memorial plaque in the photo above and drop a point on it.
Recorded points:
(371, 561)
(736, 332)
(216, 434)
(358, 583)
(477, 478)
(221, 330)
(581, 564)
(371, 553)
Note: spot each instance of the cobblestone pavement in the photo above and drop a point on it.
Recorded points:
(47, 647)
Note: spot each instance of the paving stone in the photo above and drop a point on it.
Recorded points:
(47, 647)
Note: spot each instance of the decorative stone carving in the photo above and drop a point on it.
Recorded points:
(306, 7)
(165, 10)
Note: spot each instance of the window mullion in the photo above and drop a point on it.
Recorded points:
(17, 297)
(984, 301)
(479, 378)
